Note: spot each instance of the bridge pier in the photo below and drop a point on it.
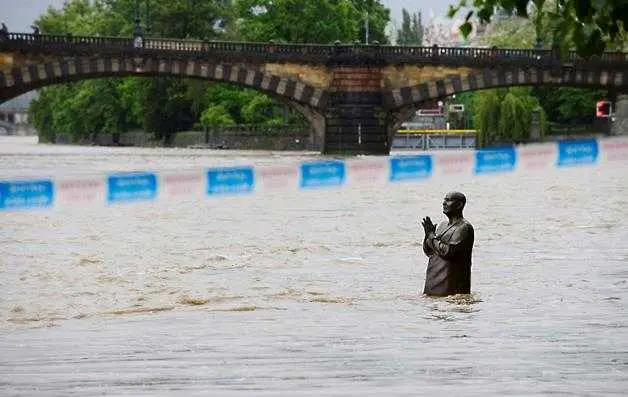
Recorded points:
(620, 125)
(355, 120)
(355, 129)
(317, 123)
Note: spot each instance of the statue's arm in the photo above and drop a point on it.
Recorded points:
(461, 241)
(427, 250)
(428, 247)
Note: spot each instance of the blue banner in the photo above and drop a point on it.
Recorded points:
(490, 161)
(26, 194)
(577, 152)
(406, 168)
(131, 187)
(230, 180)
(322, 174)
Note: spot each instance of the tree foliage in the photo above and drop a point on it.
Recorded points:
(320, 21)
(76, 16)
(411, 32)
(159, 105)
(569, 105)
(82, 110)
(590, 26)
(505, 115)
(559, 104)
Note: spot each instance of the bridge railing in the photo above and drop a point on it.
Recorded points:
(321, 53)
(238, 47)
(68, 41)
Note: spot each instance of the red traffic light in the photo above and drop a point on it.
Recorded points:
(603, 109)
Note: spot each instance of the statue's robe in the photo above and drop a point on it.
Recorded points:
(449, 266)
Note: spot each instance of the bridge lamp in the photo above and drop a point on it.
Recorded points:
(366, 28)
(138, 41)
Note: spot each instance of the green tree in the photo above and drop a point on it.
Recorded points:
(82, 17)
(42, 112)
(217, 115)
(589, 25)
(172, 19)
(505, 115)
(486, 115)
(568, 104)
(261, 109)
(513, 32)
(244, 106)
(411, 32)
(561, 104)
(311, 21)
(80, 111)
(195, 19)
(85, 109)
(378, 17)
(165, 107)
(514, 116)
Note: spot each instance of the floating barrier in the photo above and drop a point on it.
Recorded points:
(127, 187)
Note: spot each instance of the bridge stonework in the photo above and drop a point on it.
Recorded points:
(14, 121)
(354, 96)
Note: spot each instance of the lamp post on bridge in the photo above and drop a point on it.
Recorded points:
(366, 28)
(137, 30)
(148, 21)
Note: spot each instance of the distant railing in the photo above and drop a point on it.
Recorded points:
(575, 129)
(13, 110)
(256, 129)
(434, 140)
(435, 131)
(386, 54)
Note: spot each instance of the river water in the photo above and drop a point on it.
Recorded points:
(311, 293)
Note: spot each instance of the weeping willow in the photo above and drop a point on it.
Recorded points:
(487, 112)
(505, 115)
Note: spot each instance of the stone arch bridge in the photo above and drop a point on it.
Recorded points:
(7, 128)
(355, 96)
(14, 121)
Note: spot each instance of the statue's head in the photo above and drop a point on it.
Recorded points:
(454, 203)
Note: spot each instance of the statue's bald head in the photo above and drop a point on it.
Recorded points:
(459, 197)
(454, 203)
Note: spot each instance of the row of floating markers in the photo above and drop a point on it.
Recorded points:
(117, 188)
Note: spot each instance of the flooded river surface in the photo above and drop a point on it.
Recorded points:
(311, 293)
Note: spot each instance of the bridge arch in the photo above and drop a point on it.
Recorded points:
(305, 98)
(403, 102)
(403, 98)
(23, 79)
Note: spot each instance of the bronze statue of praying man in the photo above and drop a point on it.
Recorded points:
(448, 247)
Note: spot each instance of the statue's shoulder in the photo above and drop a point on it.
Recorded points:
(466, 224)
